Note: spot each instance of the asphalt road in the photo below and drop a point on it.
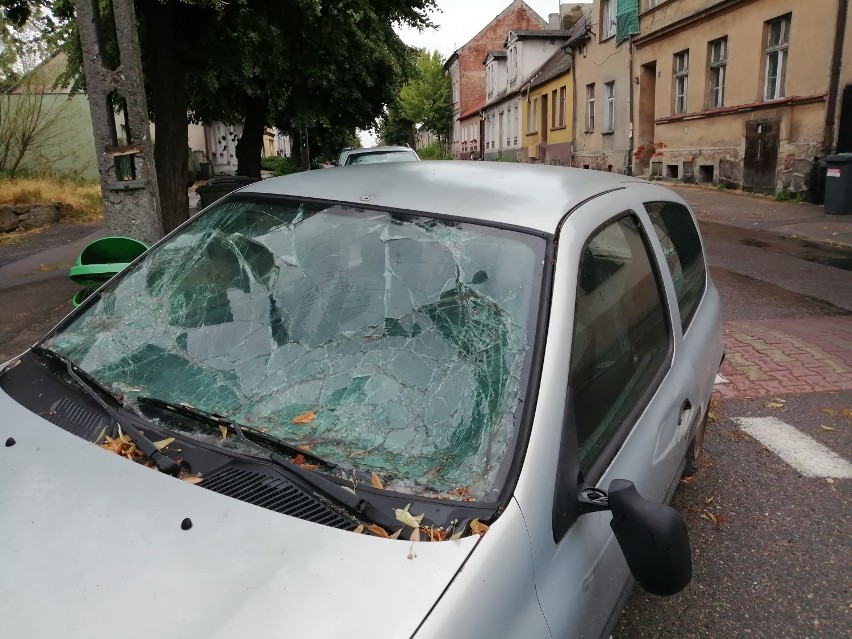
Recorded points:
(772, 548)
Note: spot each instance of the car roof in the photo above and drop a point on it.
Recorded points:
(507, 193)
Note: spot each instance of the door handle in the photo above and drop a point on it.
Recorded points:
(685, 408)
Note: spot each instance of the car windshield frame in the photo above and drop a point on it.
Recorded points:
(519, 417)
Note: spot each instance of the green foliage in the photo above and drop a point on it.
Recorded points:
(425, 98)
(434, 151)
(394, 128)
(280, 165)
(720, 186)
(28, 36)
(783, 195)
(800, 197)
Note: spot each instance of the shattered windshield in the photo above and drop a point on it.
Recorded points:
(385, 343)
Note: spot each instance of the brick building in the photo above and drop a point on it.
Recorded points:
(467, 73)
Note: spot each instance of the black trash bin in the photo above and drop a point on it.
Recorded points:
(838, 184)
(219, 187)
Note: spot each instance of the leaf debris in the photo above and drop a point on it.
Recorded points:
(376, 481)
(478, 528)
(305, 418)
(406, 517)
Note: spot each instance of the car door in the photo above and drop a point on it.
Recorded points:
(629, 389)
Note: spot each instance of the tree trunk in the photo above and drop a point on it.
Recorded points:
(250, 145)
(169, 103)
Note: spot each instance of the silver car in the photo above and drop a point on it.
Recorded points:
(377, 155)
(426, 399)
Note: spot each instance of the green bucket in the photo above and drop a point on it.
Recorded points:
(80, 296)
(103, 258)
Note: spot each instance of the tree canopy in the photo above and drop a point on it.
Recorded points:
(425, 98)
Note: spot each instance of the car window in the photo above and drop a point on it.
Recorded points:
(682, 246)
(621, 335)
(375, 158)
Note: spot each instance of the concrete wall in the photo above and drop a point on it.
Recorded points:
(715, 139)
(503, 143)
(599, 62)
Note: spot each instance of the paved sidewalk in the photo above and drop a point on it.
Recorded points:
(778, 357)
(761, 213)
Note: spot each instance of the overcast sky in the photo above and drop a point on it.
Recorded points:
(458, 21)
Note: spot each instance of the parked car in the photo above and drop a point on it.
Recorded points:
(420, 400)
(377, 155)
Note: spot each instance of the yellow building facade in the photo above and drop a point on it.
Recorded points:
(547, 112)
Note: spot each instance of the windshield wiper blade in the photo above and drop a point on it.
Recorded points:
(94, 389)
(245, 433)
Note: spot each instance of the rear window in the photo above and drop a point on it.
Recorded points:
(682, 246)
(384, 156)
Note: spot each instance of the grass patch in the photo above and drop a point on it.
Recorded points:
(78, 201)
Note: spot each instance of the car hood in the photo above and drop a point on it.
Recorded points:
(92, 545)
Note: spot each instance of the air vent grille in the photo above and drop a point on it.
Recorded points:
(70, 416)
(274, 493)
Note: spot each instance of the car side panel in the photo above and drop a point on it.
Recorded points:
(494, 593)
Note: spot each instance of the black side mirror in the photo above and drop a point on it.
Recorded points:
(653, 539)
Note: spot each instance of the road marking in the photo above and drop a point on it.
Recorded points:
(720, 380)
(803, 453)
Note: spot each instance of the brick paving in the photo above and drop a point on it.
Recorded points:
(791, 356)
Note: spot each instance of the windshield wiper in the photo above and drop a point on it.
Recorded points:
(94, 389)
(246, 434)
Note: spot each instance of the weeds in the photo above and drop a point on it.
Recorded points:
(78, 201)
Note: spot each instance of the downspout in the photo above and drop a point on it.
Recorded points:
(834, 77)
(629, 163)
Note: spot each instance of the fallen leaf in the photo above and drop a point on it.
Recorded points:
(303, 447)
(406, 517)
(456, 535)
(359, 529)
(192, 479)
(435, 534)
(160, 445)
(711, 416)
(775, 405)
(395, 535)
(415, 534)
(305, 418)
(223, 430)
(829, 480)
(376, 481)
(708, 516)
(478, 528)
(827, 428)
(378, 531)
(351, 490)
(709, 500)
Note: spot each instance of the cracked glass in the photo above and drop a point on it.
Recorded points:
(408, 337)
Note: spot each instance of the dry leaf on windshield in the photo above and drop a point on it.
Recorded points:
(305, 418)
(160, 445)
(378, 531)
(223, 430)
(406, 517)
(192, 479)
(415, 534)
(478, 528)
(376, 481)
(395, 535)
(359, 529)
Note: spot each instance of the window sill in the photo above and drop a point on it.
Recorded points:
(529, 133)
(558, 128)
(589, 131)
(610, 132)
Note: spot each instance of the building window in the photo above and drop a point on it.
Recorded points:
(532, 116)
(718, 63)
(563, 98)
(590, 107)
(607, 19)
(516, 125)
(681, 77)
(777, 42)
(513, 64)
(609, 113)
(554, 109)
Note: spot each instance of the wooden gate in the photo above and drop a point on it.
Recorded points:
(761, 156)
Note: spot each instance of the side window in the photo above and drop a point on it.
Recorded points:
(621, 335)
(682, 246)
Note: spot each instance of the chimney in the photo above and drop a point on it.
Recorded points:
(554, 21)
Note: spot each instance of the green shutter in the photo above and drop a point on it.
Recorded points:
(626, 20)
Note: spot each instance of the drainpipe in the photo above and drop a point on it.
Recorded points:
(834, 81)
(629, 164)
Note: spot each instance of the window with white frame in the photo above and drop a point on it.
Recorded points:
(532, 116)
(777, 43)
(489, 79)
(513, 63)
(609, 113)
(516, 125)
(681, 78)
(563, 101)
(590, 107)
(607, 18)
(718, 63)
